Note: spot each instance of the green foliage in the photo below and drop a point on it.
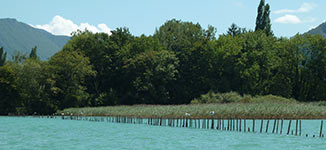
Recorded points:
(32, 84)
(151, 73)
(234, 97)
(212, 97)
(271, 99)
(33, 54)
(9, 97)
(234, 30)
(263, 21)
(192, 46)
(19, 57)
(260, 16)
(179, 63)
(3, 56)
(68, 71)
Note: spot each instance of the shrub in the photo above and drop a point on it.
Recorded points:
(234, 97)
(271, 99)
(211, 97)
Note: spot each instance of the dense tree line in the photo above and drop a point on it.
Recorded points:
(180, 62)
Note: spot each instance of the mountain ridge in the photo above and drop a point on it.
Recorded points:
(320, 29)
(19, 36)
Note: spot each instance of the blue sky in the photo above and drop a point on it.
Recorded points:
(143, 16)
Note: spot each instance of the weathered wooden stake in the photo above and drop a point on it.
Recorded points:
(289, 127)
(300, 128)
(277, 126)
(199, 123)
(253, 125)
(233, 127)
(281, 126)
(240, 126)
(274, 126)
(261, 125)
(244, 126)
(296, 128)
(267, 126)
(321, 128)
(212, 126)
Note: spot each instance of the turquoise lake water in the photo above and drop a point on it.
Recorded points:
(24, 133)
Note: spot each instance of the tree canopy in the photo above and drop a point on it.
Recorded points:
(179, 63)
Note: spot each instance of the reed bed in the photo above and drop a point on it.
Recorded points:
(265, 110)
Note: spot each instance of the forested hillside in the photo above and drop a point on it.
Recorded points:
(20, 37)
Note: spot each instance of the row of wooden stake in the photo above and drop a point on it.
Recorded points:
(239, 125)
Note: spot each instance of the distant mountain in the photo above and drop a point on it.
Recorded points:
(321, 29)
(18, 36)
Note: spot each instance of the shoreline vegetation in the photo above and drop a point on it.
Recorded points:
(242, 107)
(181, 63)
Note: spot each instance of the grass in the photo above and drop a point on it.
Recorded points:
(225, 106)
(257, 110)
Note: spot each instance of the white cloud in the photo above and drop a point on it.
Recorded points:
(62, 26)
(305, 7)
(288, 19)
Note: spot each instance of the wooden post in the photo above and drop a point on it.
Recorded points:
(321, 128)
(237, 127)
(199, 123)
(233, 124)
(300, 128)
(289, 127)
(240, 126)
(244, 124)
(212, 126)
(274, 126)
(281, 126)
(218, 124)
(267, 126)
(228, 128)
(177, 123)
(207, 124)
(261, 125)
(253, 125)
(296, 128)
(277, 126)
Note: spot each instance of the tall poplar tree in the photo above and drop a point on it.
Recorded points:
(263, 21)
(260, 13)
(33, 54)
(3, 56)
(267, 21)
